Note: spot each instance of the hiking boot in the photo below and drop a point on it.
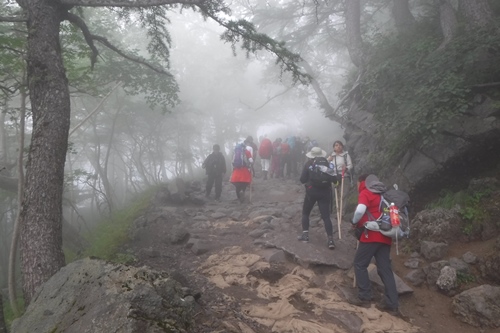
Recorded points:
(396, 312)
(304, 237)
(331, 244)
(364, 303)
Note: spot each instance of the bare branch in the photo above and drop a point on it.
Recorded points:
(273, 97)
(12, 19)
(345, 98)
(95, 110)
(129, 3)
(6, 90)
(76, 20)
(20, 52)
(486, 85)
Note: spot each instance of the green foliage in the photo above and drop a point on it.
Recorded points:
(471, 208)
(139, 76)
(465, 278)
(474, 213)
(12, 52)
(7, 310)
(108, 237)
(424, 85)
(448, 199)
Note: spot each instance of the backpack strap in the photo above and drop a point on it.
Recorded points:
(370, 216)
(382, 199)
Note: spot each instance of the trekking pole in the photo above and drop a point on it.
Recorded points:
(341, 196)
(251, 191)
(331, 199)
(337, 206)
(354, 280)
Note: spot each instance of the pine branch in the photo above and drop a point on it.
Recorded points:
(138, 60)
(90, 38)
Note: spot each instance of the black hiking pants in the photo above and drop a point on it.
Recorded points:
(382, 254)
(323, 197)
(214, 178)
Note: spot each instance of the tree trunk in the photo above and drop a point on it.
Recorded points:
(403, 18)
(3, 328)
(328, 110)
(449, 23)
(17, 224)
(477, 13)
(3, 141)
(41, 211)
(353, 30)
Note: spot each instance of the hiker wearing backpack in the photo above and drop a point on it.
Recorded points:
(241, 176)
(265, 153)
(252, 147)
(318, 189)
(215, 167)
(343, 165)
(372, 244)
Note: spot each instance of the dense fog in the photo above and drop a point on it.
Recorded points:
(101, 103)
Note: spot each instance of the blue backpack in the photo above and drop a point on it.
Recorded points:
(240, 159)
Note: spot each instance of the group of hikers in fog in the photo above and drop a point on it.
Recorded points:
(280, 159)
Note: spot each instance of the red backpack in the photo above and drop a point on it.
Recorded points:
(265, 149)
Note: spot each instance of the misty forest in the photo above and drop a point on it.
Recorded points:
(109, 109)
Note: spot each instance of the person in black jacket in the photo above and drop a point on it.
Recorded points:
(320, 194)
(215, 166)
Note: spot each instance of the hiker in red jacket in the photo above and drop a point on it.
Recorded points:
(242, 177)
(285, 166)
(265, 153)
(372, 244)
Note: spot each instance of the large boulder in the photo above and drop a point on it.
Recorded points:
(489, 266)
(449, 156)
(433, 251)
(94, 296)
(437, 225)
(478, 306)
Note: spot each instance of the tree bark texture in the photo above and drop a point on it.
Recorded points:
(449, 23)
(41, 211)
(3, 327)
(353, 31)
(477, 13)
(403, 18)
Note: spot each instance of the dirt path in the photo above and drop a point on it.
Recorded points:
(254, 276)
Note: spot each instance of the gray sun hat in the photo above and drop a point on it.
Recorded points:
(316, 152)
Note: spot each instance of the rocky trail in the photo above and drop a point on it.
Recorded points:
(249, 274)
